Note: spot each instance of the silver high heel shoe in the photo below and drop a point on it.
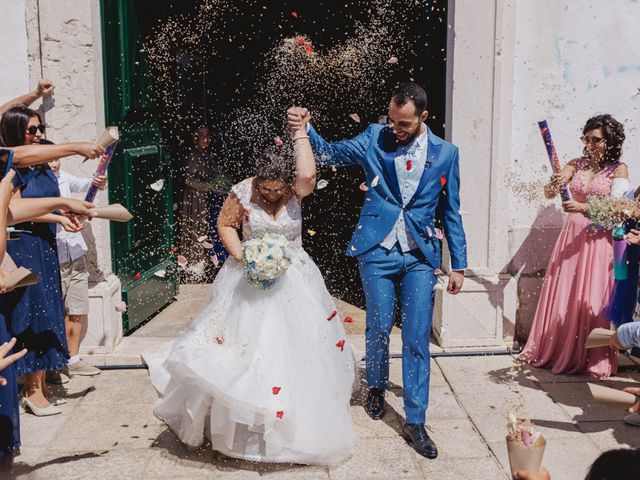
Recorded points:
(39, 411)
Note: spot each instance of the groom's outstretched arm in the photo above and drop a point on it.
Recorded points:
(451, 219)
(342, 153)
(338, 154)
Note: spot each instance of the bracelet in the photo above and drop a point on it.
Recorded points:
(300, 138)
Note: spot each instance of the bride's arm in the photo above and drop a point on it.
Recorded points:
(229, 220)
(305, 163)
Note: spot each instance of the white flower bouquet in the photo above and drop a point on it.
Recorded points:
(266, 258)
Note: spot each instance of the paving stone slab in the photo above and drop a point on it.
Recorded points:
(378, 459)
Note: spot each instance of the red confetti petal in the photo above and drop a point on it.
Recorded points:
(301, 41)
(409, 165)
(137, 276)
(219, 340)
(443, 180)
(332, 316)
(280, 414)
(340, 345)
(278, 141)
(348, 320)
(308, 48)
(276, 390)
(439, 235)
(294, 14)
(363, 187)
(174, 249)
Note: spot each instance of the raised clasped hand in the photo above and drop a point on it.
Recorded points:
(297, 118)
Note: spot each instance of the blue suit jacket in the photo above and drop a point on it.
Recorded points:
(383, 202)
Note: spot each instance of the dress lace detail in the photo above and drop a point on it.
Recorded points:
(288, 221)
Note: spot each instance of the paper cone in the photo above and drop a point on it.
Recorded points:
(115, 212)
(20, 277)
(599, 337)
(109, 136)
(611, 397)
(525, 458)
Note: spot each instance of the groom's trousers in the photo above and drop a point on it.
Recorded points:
(386, 276)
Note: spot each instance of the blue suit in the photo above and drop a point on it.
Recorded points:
(386, 273)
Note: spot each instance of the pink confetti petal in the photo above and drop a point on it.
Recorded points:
(202, 238)
(278, 141)
(207, 244)
(121, 307)
(429, 232)
(438, 271)
(215, 260)
(363, 187)
(182, 261)
(294, 14)
(439, 235)
(355, 117)
(392, 60)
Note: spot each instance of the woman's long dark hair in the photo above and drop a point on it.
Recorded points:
(13, 125)
(614, 136)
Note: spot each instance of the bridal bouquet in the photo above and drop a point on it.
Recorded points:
(525, 444)
(266, 258)
(608, 212)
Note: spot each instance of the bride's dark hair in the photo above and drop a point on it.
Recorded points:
(273, 164)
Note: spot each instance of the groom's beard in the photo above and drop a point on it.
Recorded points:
(411, 137)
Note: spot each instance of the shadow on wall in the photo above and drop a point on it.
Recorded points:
(529, 263)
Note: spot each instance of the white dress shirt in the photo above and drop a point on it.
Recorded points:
(71, 245)
(409, 175)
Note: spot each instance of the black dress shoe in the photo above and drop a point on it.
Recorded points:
(375, 403)
(419, 439)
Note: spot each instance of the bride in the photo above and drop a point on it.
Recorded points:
(265, 374)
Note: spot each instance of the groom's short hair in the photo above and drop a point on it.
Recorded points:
(411, 91)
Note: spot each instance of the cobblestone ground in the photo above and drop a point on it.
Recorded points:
(108, 431)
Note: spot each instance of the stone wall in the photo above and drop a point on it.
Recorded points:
(64, 44)
(14, 67)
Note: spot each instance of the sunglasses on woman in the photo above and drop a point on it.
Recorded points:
(34, 128)
(586, 139)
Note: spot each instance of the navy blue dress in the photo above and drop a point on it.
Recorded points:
(35, 314)
(9, 413)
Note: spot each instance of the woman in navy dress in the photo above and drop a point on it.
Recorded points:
(35, 314)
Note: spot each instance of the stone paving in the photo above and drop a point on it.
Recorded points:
(108, 431)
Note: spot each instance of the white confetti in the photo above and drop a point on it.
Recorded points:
(393, 60)
(375, 181)
(321, 184)
(157, 186)
(160, 273)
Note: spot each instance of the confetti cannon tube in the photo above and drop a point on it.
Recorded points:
(553, 156)
(102, 169)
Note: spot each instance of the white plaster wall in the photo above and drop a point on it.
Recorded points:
(14, 67)
(572, 59)
(72, 57)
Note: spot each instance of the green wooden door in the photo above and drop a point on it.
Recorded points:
(139, 174)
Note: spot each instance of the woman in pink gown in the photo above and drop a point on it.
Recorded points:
(579, 276)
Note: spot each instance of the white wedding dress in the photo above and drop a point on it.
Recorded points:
(266, 375)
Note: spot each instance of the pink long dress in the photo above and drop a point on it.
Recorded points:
(576, 290)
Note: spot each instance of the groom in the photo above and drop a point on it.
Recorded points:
(411, 173)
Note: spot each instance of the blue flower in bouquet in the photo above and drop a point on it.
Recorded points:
(266, 258)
